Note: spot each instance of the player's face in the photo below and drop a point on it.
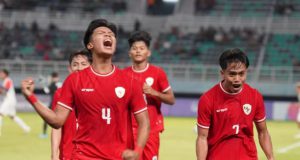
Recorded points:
(234, 76)
(139, 52)
(103, 41)
(79, 63)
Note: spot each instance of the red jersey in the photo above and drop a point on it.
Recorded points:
(229, 118)
(156, 78)
(103, 105)
(68, 131)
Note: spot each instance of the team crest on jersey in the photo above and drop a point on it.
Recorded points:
(247, 108)
(149, 81)
(120, 92)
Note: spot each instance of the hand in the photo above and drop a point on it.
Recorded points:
(27, 87)
(130, 155)
(149, 90)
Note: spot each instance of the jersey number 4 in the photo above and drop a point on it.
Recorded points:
(106, 115)
(237, 128)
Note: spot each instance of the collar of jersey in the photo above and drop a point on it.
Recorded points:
(228, 92)
(103, 75)
(139, 71)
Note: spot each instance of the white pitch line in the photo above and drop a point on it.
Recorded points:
(289, 147)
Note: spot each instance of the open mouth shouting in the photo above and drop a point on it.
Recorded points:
(107, 43)
(236, 86)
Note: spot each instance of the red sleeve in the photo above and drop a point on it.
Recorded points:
(204, 112)
(55, 98)
(8, 84)
(137, 100)
(163, 81)
(260, 114)
(67, 93)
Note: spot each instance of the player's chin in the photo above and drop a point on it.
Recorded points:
(108, 51)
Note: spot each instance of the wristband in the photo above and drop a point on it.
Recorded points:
(139, 150)
(32, 99)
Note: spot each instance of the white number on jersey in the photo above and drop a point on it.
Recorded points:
(236, 127)
(106, 115)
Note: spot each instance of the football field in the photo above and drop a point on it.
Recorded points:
(177, 142)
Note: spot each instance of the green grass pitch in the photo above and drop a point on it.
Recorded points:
(177, 141)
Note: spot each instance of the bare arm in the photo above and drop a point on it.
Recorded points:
(264, 139)
(142, 137)
(54, 118)
(143, 128)
(201, 143)
(55, 142)
(166, 97)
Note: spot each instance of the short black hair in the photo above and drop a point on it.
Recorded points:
(95, 24)
(83, 52)
(139, 36)
(233, 55)
(5, 71)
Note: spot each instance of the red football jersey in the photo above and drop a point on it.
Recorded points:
(103, 105)
(156, 78)
(229, 118)
(68, 131)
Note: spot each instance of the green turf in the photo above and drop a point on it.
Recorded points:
(177, 142)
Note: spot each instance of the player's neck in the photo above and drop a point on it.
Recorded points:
(140, 66)
(102, 66)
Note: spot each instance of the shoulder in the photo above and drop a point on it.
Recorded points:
(252, 92)
(250, 89)
(58, 91)
(213, 90)
(154, 67)
(211, 93)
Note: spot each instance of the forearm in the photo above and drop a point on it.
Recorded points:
(167, 98)
(266, 144)
(143, 129)
(201, 148)
(48, 115)
(55, 142)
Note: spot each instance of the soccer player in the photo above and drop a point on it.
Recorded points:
(155, 85)
(61, 139)
(103, 98)
(8, 105)
(226, 114)
(54, 84)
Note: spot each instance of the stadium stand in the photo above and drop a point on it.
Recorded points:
(186, 42)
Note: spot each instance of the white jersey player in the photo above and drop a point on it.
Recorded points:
(8, 105)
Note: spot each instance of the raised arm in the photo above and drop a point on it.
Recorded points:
(54, 118)
(201, 143)
(264, 139)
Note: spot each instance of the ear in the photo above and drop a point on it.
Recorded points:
(69, 69)
(90, 45)
(222, 74)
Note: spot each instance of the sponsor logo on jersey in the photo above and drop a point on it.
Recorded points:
(247, 109)
(149, 81)
(222, 110)
(120, 92)
(87, 89)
